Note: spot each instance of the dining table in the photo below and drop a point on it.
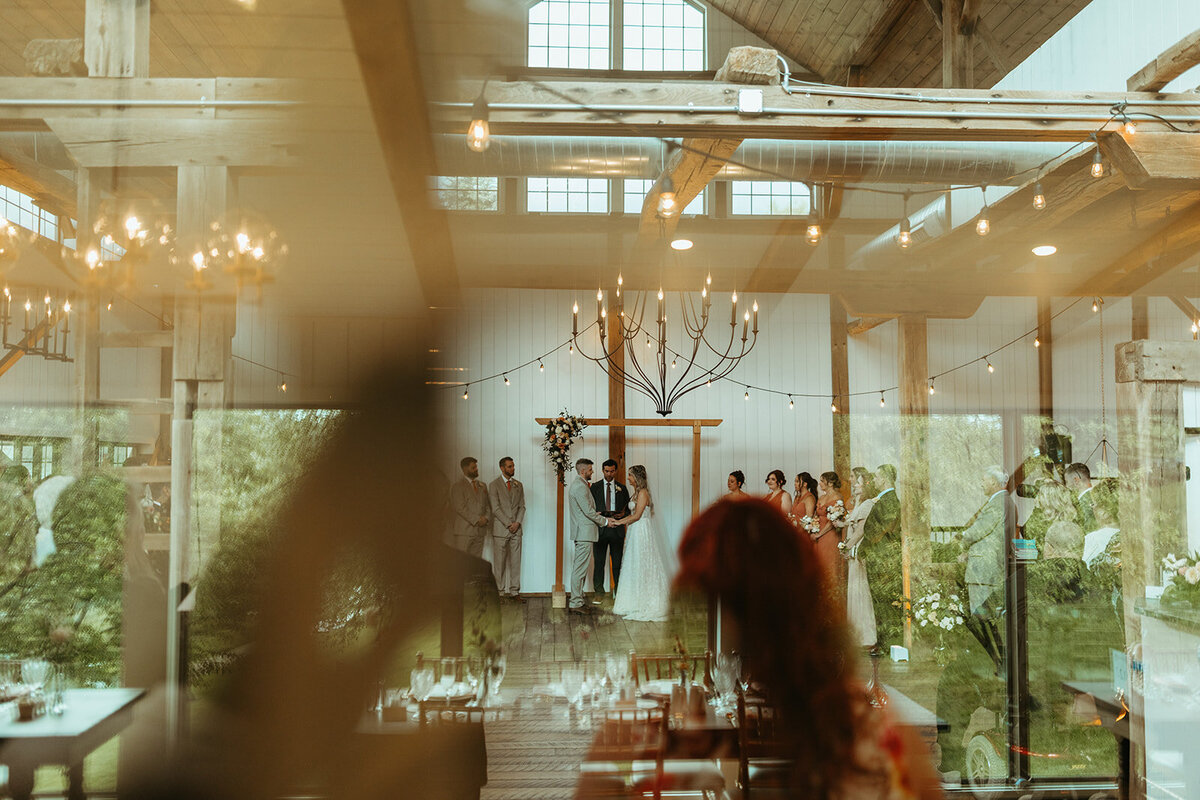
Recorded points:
(89, 719)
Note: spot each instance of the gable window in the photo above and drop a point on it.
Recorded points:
(663, 35)
(769, 198)
(572, 34)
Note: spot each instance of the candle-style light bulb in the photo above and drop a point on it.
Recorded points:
(575, 308)
(660, 293)
(478, 135)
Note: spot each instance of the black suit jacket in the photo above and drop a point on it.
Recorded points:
(622, 501)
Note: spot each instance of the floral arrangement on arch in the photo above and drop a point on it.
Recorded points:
(938, 611)
(1182, 580)
(561, 433)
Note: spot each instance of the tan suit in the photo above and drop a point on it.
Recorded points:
(507, 499)
(469, 501)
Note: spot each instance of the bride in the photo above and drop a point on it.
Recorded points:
(644, 591)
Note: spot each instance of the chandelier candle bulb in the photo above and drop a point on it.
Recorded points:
(575, 320)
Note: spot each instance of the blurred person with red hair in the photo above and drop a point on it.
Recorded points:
(770, 582)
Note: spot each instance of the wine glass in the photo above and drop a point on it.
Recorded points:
(496, 670)
(572, 681)
(33, 671)
(472, 673)
(725, 677)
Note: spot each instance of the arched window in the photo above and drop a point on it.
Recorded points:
(663, 35)
(572, 34)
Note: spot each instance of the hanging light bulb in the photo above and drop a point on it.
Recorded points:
(541, 366)
(672, 363)
(931, 390)
(1039, 199)
(506, 381)
(282, 382)
(709, 382)
(1097, 165)
(666, 198)
(467, 392)
(812, 233)
(1037, 342)
(881, 400)
(1095, 305)
(571, 349)
(478, 137)
(791, 402)
(1195, 327)
(1130, 127)
(747, 397)
(833, 405)
(983, 226)
(990, 368)
(904, 237)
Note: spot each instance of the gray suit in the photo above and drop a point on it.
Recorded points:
(985, 540)
(469, 501)
(584, 519)
(508, 506)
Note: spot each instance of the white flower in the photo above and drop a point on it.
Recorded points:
(935, 604)
(959, 620)
(1192, 574)
(923, 623)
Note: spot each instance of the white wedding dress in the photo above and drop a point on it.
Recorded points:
(645, 588)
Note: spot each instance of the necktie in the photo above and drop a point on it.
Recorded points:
(508, 484)
(608, 496)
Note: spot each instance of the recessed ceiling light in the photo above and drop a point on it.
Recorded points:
(1045, 250)
(681, 244)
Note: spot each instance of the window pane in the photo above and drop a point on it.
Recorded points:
(576, 33)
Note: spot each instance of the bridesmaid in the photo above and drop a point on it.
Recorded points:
(776, 495)
(737, 479)
(806, 497)
(828, 537)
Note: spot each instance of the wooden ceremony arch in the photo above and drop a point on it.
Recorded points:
(559, 591)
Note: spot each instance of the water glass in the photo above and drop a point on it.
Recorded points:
(447, 679)
(725, 675)
(33, 671)
(422, 682)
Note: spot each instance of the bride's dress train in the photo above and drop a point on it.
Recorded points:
(644, 591)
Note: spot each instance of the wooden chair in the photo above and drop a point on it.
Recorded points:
(626, 757)
(664, 667)
(764, 767)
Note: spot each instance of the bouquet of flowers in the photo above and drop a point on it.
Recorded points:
(810, 523)
(836, 512)
(561, 433)
(1182, 580)
(942, 612)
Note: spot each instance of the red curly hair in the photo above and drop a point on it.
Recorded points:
(794, 643)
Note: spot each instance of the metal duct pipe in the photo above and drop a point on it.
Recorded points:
(924, 224)
(877, 162)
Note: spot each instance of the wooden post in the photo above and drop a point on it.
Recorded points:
(1140, 313)
(116, 38)
(695, 467)
(958, 69)
(914, 454)
(840, 381)
(616, 389)
(1153, 511)
(558, 597)
(1045, 336)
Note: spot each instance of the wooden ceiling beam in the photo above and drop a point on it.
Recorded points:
(49, 188)
(1169, 65)
(385, 41)
(1184, 305)
(691, 168)
(705, 110)
(1154, 160)
(870, 46)
(859, 326)
(1149, 260)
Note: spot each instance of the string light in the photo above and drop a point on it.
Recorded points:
(1039, 199)
(791, 402)
(990, 368)
(1037, 342)
(931, 390)
(541, 366)
(478, 137)
(882, 402)
(983, 226)
(571, 350)
(1129, 126)
(672, 363)
(666, 198)
(812, 233)
(507, 382)
(833, 404)
(1195, 328)
(1097, 162)
(282, 383)
(1095, 305)
(904, 237)
(467, 392)
(747, 396)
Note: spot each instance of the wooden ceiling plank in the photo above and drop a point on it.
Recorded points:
(867, 50)
(385, 42)
(1169, 65)
(49, 188)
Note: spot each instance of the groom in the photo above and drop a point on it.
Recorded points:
(585, 525)
(612, 498)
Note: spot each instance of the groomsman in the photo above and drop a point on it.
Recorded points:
(506, 496)
(472, 513)
(612, 500)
